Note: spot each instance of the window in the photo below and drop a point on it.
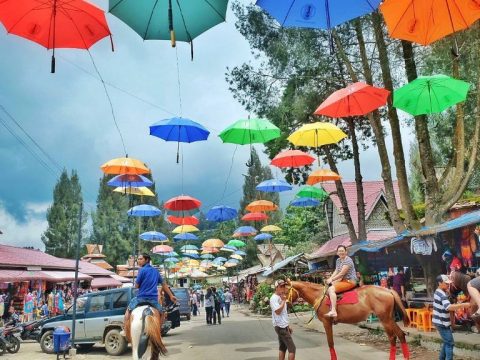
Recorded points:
(100, 302)
(120, 300)
(81, 302)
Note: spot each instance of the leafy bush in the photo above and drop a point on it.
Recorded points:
(261, 299)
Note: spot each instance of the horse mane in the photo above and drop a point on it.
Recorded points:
(153, 327)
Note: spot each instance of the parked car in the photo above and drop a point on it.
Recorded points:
(99, 319)
(183, 299)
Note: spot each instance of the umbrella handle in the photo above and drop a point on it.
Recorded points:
(172, 38)
(52, 65)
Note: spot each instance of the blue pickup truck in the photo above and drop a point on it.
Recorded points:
(99, 320)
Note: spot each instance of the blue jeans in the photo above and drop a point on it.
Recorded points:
(151, 301)
(446, 352)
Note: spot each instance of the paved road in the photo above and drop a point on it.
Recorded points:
(240, 337)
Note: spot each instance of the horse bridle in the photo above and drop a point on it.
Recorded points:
(317, 303)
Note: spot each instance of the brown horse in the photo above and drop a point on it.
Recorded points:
(371, 299)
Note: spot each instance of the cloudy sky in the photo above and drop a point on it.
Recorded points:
(67, 113)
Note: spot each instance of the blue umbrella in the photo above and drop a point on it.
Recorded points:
(219, 259)
(144, 210)
(263, 237)
(241, 253)
(185, 237)
(207, 256)
(153, 236)
(229, 248)
(235, 261)
(245, 231)
(305, 202)
(179, 130)
(168, 254)
(188, 247)
(129, 180)
(274, 185)
(171, 259)
(192, 256)
(221, 213)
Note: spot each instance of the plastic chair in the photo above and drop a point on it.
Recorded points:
(372, 318)
(426, 321)
(413, 316)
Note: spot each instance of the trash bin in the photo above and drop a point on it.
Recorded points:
(61, 340)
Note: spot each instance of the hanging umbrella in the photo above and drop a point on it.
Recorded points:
(220, 259)
(185, 229)
(354, 100)
(274, 185)
(207, 256)
(312, 192)
(237, 257)
(182, 213)
(179, 130)
(271, 228)
(250, 131)
(185, 237)
(316, 135)
(236, 243)
(427, 21)
(125, 166)
(209, 250)
(241, 253)
(228, 248)
(305, 202)
(171, 260)
(255, 216)
(213, 243)
(139, 191)
(189, 220)
(322, 175)
(230, 264)
(74, 24)
(221, 213)
(292, 159)
(221, 268)
(162, 249)
(129, 181)
(144, 211)
(153, 236)
(192, 255)
(245, 231)
(261, 205)
(173, 20)
(182, 203)
(188, 247)
(430, 94)
(190, 251)
(263, 237)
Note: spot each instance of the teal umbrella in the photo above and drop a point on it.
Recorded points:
(181, 20)
(430, 94)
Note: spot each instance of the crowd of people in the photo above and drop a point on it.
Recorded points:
(215, 302)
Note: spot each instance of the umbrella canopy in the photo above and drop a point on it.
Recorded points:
(250, 131)
(312, 192)
(241, 253)
(188, 247)
(236, 243)
(139, 191)
(182, 203)
(125, 166)
(228, 248)
(261, 205)
(316, 135)
(356, 99)
(74, 24)
(171, 259)
(168, 254)
(144, 211)
(153, 236)
(212, 243)
(271, 228)
(221, 268)
(207, 256)
(274, 185)
(190, 251)
(192, 255)
(221, 213)
(185, 229)
(427, 21)
(162, 249)
(263, 237)
(182, 213)
(322, 175)
(129, 181)
(305, 202)
(430, 94)
(255, 216)
(185, 237)
(316, 14)
(245, 231)
(292, 159)
(220, 259)
(209, 250)
(189, 220)
(229, 264)
(235, 256)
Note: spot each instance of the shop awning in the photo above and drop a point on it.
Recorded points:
(8, 275)
(281, 264)
(122, 279)
(63, 276)
(468, 219)
(374, 246)
(103, 282)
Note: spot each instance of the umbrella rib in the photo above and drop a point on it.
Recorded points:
(150, 20)
(215, 10)
(117, 4)
(402, 16)
(184, 23)
(461, 14)
(288, 12)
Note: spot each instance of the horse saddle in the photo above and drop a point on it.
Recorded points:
(347, 297)
(143, 343)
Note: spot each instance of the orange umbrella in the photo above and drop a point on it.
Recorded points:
(126, 165)
(212, 243)
(261, 205)
(322, 175)
(255, 216)
(427, 21)
(209, 250)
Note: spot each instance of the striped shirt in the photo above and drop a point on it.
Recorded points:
(441, 315)
(351, 274)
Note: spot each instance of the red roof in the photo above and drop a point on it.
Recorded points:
(372, 190)
(102, 282)
(8, 275)
(11, 256)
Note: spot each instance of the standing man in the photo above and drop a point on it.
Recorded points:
(228, 300)
(441, 316)
(399, 283)
(278, 304)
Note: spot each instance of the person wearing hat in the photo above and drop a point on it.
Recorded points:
(473, 287)
(278, 304)
(441, 316)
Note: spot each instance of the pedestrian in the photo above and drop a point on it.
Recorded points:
(194, 303)
(473, 287)
(278, 304)
(228, 301)
(441, 316)
(221, 295)
(398, 283)
(202, 298)
(209, 306)
(216, 307)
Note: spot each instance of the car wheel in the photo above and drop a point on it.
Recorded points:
(46, 342)
(188, 317)
(85, 347)
(115, 343)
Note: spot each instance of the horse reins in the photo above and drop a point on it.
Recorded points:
(316, 305)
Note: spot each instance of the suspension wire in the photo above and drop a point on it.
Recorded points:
(229, 173)
(178, 81)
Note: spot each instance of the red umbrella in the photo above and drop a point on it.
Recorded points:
(74, 24)
(182, 203)
(356, 99)
(255, 216)
(159, 249)
(292, 159)
(189, 220)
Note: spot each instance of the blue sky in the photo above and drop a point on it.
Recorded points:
(67, 113)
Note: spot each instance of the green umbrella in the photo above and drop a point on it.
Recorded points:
(181, 20)
(250, 131)
(312, 192)
(236, 243)
(430, 94)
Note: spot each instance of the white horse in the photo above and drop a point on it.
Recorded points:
(144, 331)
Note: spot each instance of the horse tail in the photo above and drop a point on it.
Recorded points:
(399, 305)
(153, 326)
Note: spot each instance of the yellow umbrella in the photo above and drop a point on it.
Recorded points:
(185, 229)
(228, 264)
(126, 165)
(191, 263)
(235, 256)
(141, 191)
(317, 134)
(221, 267)
(271, 228)
(213, 243)
(261, 205)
